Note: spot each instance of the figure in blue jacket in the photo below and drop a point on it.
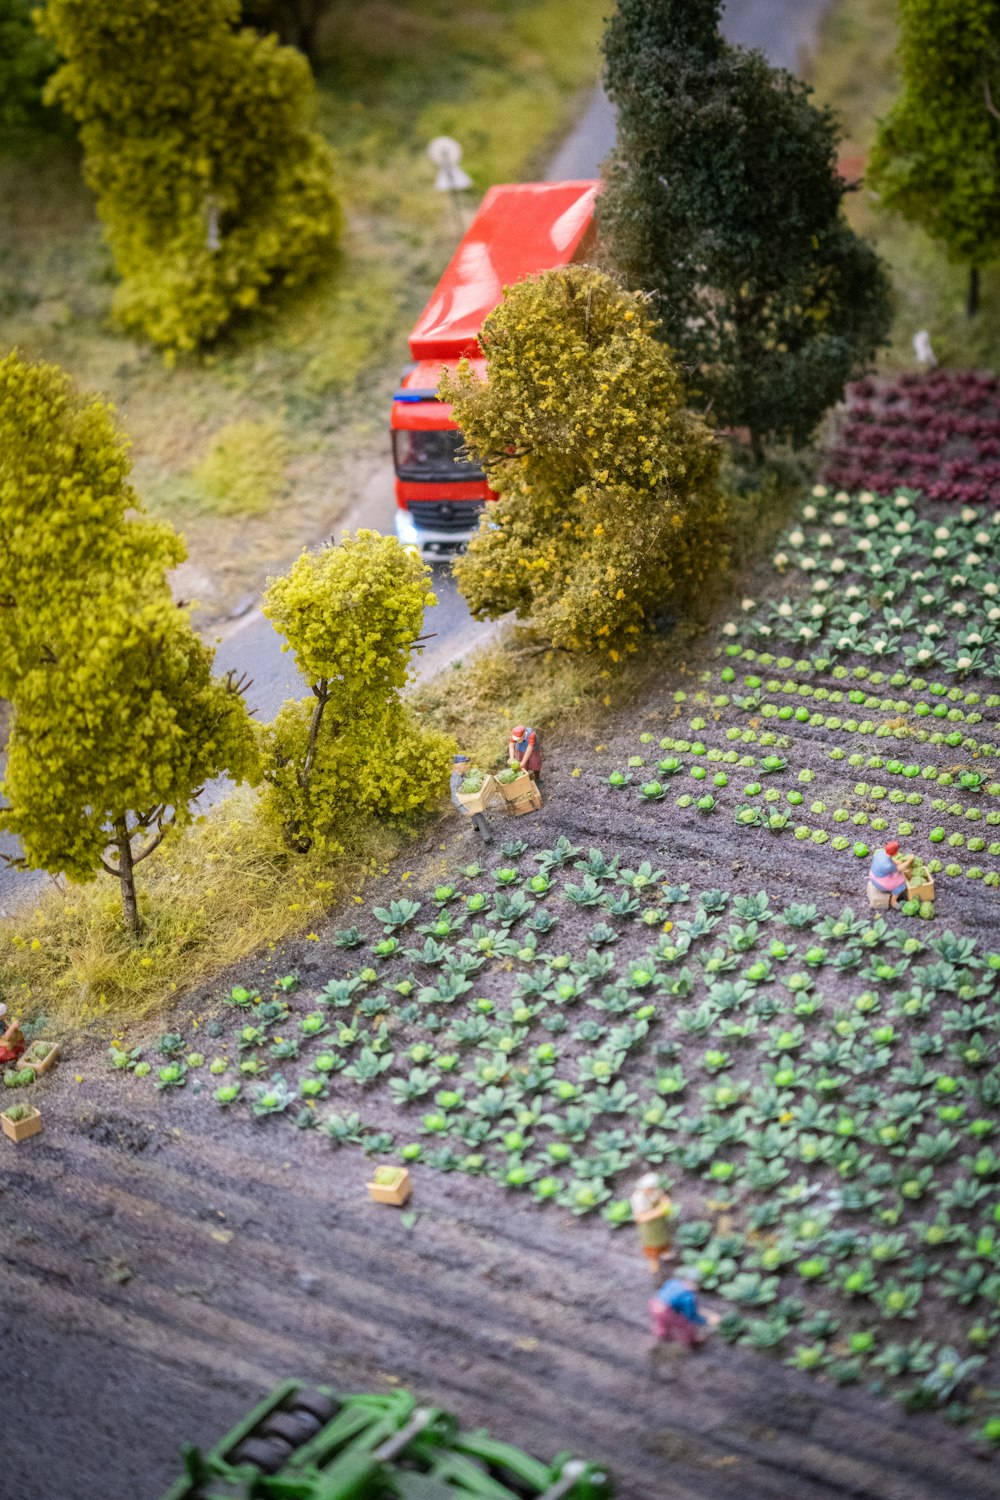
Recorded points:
(675, 1314)
(460, 769)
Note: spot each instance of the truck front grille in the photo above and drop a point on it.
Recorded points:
(445, 515)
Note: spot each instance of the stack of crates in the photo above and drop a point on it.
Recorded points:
(306, 1443)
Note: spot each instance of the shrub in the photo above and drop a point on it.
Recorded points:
(609, 505)
(210, 184)
(351, 613)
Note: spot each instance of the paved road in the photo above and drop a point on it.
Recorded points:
(782, 29)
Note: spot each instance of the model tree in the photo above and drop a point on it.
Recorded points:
(352, 614)
(609, 507)
(26, 60)
(210, 183)
(722, 198)
(117, 720)
(295, 21)
(936, 158)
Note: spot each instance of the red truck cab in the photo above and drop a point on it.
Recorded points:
(519, 230)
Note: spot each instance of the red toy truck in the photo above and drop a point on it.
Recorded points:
(520, 229)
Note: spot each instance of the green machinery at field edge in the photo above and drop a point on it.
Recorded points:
(304, 1443)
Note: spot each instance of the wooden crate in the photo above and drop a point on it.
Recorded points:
(20, 1130)
(52, 1056)
(521, 786)
(477, 802)
(529, 801)
(395, 1192)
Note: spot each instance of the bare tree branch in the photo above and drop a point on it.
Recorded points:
(154, 843)
(988, 96)
(237, 686)
(147, 819)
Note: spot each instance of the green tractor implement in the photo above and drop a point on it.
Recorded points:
(304, 1443)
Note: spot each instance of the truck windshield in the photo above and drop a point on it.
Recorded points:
(431, 455)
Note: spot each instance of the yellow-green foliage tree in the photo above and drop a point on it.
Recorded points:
(351, 613)
(117, 720)
(609, 503)
(210, 183)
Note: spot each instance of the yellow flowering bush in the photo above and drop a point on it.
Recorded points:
(351, 613)
(609, 505)
(210, 183)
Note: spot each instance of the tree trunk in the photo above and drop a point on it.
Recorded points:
(972, 296)
(322, 694)
(126, 875)
(306, 40)
(305, 27)
(757, 447)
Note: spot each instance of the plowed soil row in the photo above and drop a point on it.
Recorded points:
(157, 1281)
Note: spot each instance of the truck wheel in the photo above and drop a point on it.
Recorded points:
(323, 1408)
(265, 1453)
(296, 1427)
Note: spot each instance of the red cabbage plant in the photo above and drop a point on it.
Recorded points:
(936, 433)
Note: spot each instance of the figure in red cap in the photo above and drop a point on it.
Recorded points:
(12, 1042)
(523, 751)
(888, 873)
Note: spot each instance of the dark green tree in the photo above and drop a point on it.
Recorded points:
(722, 197)
(936, 158)
(26, 60)
(296, 22)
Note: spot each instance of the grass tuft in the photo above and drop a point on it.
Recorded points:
(243, 471)
(223, 890)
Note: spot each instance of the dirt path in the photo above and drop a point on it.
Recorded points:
(156, 1282)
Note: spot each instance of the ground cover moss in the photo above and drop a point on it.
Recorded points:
(225, 889)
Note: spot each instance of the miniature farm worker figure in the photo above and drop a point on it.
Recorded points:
(652, 1211)
(460, 769)
(675, 1313)
(523, 751)
(12, 1042)
(888, 873)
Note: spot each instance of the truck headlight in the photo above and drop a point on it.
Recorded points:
(405, 529)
